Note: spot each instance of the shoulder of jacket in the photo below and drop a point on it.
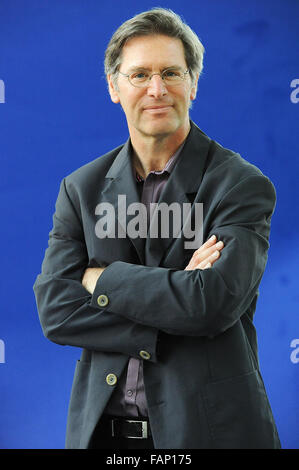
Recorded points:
(221, 159)
(95, 170)
(230, 168)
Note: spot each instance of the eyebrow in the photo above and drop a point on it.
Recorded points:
(135, 68)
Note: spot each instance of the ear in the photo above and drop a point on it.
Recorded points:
(194, 88)
(112, 90)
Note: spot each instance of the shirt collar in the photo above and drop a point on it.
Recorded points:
(168, 167)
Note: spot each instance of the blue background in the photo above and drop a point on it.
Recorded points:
(57, 116)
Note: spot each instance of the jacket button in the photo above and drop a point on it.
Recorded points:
(111, 379)
(145, 355)
(102, 300)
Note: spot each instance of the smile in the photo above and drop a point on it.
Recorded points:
(158, 109)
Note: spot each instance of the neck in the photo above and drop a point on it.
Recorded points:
(151, 153)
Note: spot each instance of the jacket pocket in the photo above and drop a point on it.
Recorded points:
(239, 414)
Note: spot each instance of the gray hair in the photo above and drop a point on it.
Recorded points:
(156, 21)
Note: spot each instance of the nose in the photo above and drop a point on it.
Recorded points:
(156, 87)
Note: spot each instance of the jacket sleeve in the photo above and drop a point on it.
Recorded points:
(65, 310)
(201, 302)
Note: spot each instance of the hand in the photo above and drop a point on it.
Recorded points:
(90, 277)
(205, 256)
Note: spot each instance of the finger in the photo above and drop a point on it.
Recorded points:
(207, 262)
(199, 257)
(207, 266)
(209, 251)
(202, 255)
(211, 241)
(211, 259)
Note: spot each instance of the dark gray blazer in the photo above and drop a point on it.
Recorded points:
(202, 379)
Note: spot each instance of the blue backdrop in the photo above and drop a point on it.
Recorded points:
(56, 115)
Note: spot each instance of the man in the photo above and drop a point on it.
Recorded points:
(169, 354)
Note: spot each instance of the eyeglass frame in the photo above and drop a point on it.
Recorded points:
(147, 82)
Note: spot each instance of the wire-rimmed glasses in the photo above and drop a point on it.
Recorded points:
(142, 78)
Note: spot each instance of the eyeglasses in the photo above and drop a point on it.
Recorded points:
(141, 79)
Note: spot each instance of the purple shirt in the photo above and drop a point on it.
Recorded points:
(128, 398)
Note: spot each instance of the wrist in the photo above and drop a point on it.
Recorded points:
(91, 277)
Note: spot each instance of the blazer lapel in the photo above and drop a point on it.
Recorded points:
(121, 191)
(181, 188)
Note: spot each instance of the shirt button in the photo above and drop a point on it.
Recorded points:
(102, 300)
(111, 379)
(129, 393)
(145, 355)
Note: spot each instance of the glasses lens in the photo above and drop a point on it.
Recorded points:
(139, 79)
(172, 76)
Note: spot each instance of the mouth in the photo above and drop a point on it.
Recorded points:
(158, 109)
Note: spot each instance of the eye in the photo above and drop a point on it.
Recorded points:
(139, 76)
(169, 73)
(172, 73)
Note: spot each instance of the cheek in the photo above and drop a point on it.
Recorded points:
(183, 93)
(183, 99)
(131, 104)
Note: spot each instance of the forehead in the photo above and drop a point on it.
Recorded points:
(153, 51)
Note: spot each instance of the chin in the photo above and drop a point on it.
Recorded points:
(156, 128)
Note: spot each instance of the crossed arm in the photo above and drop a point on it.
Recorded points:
(194, 301)
(203, 258)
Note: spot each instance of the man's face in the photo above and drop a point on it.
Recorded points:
(156, 110)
